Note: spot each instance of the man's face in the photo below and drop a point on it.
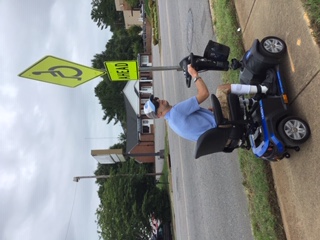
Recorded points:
(163, 105)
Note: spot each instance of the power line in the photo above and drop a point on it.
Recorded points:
(100, 138)
(74, 198)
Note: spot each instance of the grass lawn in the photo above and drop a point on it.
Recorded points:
(312, 7)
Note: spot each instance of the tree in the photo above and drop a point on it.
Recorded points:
(126, 203)
(112, 101)
(104, 13)
(105, 169)
(122, 143)
(133, 3)
(120, 47)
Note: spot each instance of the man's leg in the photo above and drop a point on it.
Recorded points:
(239, 89)
(222, 94)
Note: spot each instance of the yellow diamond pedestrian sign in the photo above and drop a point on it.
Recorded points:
(62, 72)
(122, 70)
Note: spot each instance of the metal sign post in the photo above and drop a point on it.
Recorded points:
(160, 68)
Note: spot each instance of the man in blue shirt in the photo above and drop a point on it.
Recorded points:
(187, 118)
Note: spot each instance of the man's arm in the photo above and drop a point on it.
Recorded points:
(203, 92)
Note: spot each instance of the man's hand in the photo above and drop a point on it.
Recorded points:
(192, 71)
(203, 92)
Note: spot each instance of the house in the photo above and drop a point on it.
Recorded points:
(132, 15)
(140, 129)
(136, 16)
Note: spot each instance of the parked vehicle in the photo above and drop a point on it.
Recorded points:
(267, 127)
(157, 228)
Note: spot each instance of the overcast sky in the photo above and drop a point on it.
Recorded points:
(47, 131)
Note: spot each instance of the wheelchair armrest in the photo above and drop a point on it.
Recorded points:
(217, 112)
(234, 106)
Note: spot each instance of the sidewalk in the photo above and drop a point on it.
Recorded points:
(297, 180)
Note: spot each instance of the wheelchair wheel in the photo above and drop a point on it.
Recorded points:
(273, 47)
(294, 130)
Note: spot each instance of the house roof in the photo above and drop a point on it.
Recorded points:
(131, 90)
(131, 100)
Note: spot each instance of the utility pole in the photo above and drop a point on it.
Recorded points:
(77, 179)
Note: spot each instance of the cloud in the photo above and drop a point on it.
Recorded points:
(47, 131)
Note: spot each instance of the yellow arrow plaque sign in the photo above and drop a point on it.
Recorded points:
(62, 72)
(122, 70)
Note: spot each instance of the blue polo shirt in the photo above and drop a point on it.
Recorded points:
(189, 120)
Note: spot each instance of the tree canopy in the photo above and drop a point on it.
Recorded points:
(112, 100)
(122, 46)
(133, 3)
(128, 201)
(104, 13)
(105, 169)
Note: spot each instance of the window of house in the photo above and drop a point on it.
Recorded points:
(145, 129)
(146, 89)
(144, 60)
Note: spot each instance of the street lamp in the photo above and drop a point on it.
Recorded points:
(160, 154)
(77, 179)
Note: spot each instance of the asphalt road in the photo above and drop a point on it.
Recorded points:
(209, 199)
